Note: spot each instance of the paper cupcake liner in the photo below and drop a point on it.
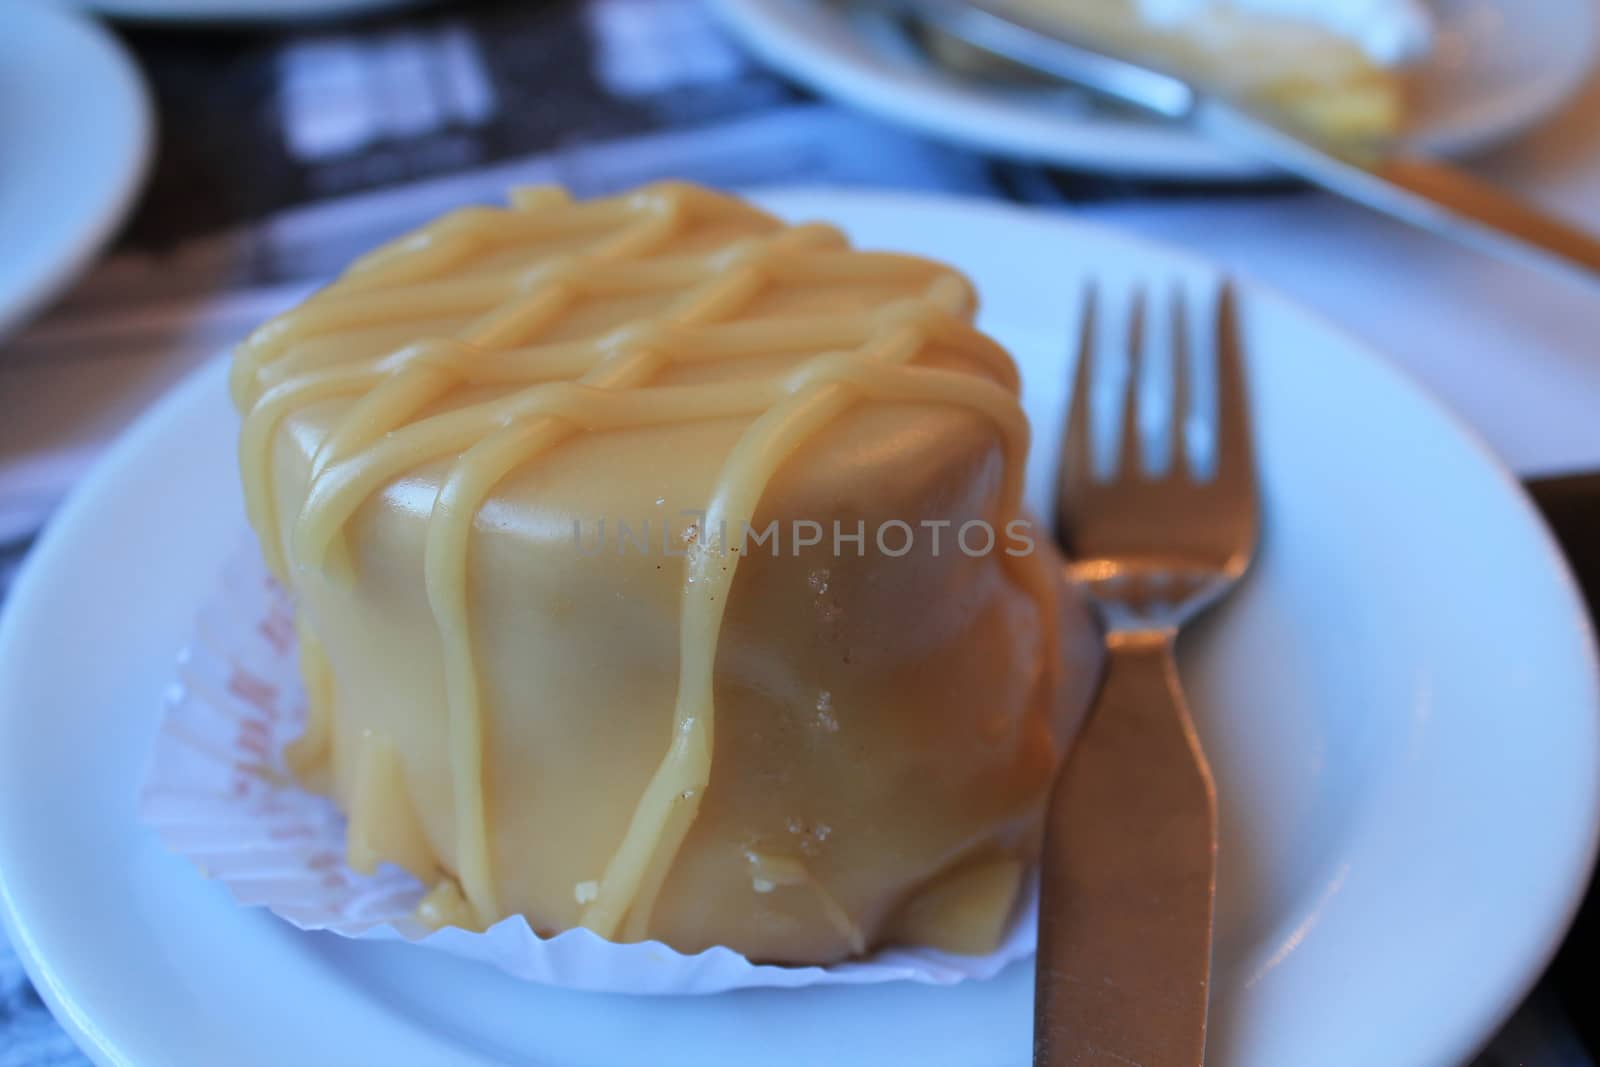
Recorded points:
(218, 792)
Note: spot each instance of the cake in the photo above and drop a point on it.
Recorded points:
(1339, 66)
(613, 530)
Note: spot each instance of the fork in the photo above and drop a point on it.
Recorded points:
(1129, 869)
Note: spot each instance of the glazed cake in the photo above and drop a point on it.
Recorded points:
(558, 490)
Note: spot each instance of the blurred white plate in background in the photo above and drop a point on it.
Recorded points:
(75, 138)
(235, 10)
(1499, 67)
(1400, 704)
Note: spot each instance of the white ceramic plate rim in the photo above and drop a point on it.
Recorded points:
(985, 121)
(95, 55)
(1538, 930)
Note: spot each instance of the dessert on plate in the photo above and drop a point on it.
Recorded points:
(1338, 65)
(660, 568)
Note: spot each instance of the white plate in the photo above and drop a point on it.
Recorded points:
(75, 136)
(237, 10)
(1401, 703)
(1500, 67)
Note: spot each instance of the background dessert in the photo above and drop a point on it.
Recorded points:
(846, 744)
(1338, 65)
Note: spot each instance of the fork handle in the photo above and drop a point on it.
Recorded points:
(1129, 877)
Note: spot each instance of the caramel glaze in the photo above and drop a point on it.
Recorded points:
(527, 396)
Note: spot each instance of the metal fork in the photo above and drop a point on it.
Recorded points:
(1129, 872)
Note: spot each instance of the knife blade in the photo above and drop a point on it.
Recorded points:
(1426, 193)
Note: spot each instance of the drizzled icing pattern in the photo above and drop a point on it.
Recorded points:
(546, 392)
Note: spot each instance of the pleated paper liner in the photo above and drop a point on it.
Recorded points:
(218, 792)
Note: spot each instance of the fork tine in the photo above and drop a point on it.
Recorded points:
(1234, 461)
(1077, 458)
(1130, 453)
(1178, 466)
